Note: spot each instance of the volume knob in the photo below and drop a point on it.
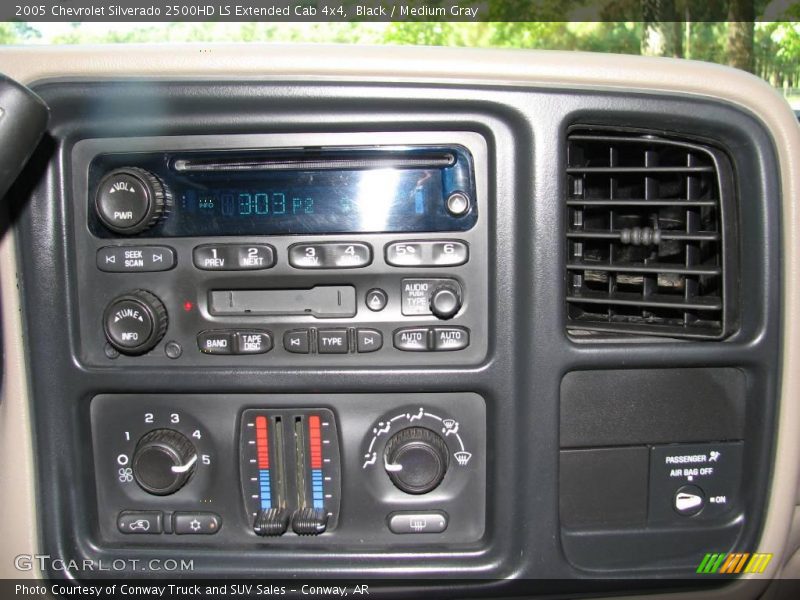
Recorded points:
(130, 200)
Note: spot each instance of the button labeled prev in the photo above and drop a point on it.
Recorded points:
(135, 259)
(234, 257)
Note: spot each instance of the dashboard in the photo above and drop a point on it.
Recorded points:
(500, 323)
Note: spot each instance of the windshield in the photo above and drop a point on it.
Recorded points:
(760, 37)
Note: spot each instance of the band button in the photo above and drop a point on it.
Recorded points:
(215, 342)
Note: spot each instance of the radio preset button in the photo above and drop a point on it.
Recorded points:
(332, 341)
(253, 342)
(436, 253)
(450, 338)
(133, 259)
(297, 341)
(234, 257)
(405, 254)
(215, 342)
(368, 340)
(449, 254)
(412, 339)
(330, 255)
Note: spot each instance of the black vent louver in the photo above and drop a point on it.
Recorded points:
(646, 237)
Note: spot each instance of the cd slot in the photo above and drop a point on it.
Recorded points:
(427, 161)
(322, 302)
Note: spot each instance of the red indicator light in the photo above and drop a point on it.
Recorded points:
(187, 306)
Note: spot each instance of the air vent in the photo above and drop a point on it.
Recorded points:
(646, 235)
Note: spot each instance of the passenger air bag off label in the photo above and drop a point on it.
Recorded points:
(697, 481)
(322, 302)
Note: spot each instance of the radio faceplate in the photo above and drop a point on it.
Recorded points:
(345, 299)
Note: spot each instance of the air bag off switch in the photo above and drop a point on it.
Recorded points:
(694, 481)
(135, 322)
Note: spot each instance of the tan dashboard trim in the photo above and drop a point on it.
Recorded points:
(393, 64)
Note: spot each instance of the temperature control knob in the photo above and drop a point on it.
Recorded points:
(163, 461)
(416, 460)
(135, 322)
(445, 302)
(130, 200)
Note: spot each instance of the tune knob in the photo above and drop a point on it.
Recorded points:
(130, 200)
(416, 460)
(163, 461)
(445, 302)
(135, 322)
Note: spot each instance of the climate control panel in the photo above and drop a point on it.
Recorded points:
(290, 468)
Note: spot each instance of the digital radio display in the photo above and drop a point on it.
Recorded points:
(298, 193)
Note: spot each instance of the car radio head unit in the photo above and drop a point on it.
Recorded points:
(295, 191)
(276, 250)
